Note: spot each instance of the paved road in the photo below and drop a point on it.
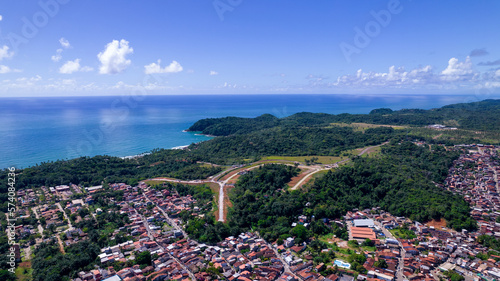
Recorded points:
(221, 193)
(335, 165)
(169, 220)
(370, 147)
(40, 228)
(298, 184)
(65, 216)
(222, 183)
(152, 238)
(221, 200)
(287, 268)
(399, 273)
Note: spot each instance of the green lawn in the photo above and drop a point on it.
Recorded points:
(403, 233)
(24, 273)
(369, 249)
(361, 127)
(321, 159)
(325, 238)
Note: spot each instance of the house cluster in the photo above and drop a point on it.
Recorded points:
(26, 197)
(74, 206)
(303, 269)
(412, 259)
(242, 258)
(65, 191)
(475, 176)
(52, 215)
(154, 219)
(164, 267)
(23, 231)
(436, 249)
(74, 235)
(424, 257)
(247, 257)
(47, 193)
(172, 202)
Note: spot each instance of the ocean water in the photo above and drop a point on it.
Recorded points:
(35, 130)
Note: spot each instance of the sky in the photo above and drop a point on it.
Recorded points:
(189, 47)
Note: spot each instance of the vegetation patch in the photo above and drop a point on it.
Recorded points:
(302, 159)
(361, 127)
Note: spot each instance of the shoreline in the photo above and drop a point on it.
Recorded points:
(175, 147)
(135, 156)
(180, 147)
(198, 133)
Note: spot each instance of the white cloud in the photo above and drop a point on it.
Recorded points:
(173, 67)
(394, 77)
(458, 70)
(398, 77)
(6, 69)
(4, 52)
(1, 17)
(490, 85)
(64, 43)
(51, 85)
(227, 85)
(213, 72)
(141, 87)
(73, 66)
(113, 58)
(57, 57)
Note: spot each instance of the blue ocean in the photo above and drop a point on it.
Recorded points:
(35, 130)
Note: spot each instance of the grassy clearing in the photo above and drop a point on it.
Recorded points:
(372, 152)
(319, 174)
(457, 135)
(327, 238)
(24, 271)
(369, 248)
(403, 233)
(154, 183)
(321, 159)
(208, 165)
(361, 127)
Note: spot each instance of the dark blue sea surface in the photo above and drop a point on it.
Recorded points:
(35, 130)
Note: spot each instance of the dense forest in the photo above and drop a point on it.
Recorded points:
(298, 141)
(401, 181)
(483, 115)
(49, 264)
(89, 171)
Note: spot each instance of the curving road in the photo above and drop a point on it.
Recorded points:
(221, 192)
(334, 165)
(214, 179)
